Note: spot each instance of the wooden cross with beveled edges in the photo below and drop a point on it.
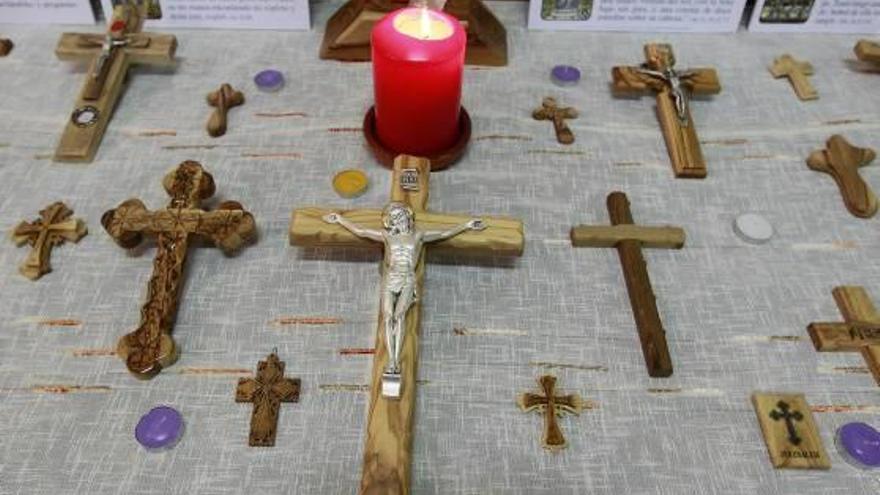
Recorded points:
(387, 449)
(54, 226)
(842, 161)
(859, 332)
(552, 406)
(796, 72)
(673, 90)
(150, 347)
(266, 391)
(110, 55)
(868, 51)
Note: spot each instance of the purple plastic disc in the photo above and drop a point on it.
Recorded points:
(160, 428)
(565, 75)
(269, 80)
(859, 444)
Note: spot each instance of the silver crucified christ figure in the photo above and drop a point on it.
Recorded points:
(403, 247)
(673, 78)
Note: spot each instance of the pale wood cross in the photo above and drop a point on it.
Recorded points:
(673, 91)
(629, 240)
(54, 227)
(841, 160)
(868, 51)
(222, 100)
(150, 347)
(551, 406)
(266, 391)
(111, 55)
(550, 110)
(387, 449)
(859, 331)
(796, 72)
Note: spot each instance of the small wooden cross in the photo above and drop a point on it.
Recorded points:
(267, 391)
(222, 100)
(552, 406)
(6, 46)
(790, 432)
(868, 51)
(150, 347)
(859, 332)
(111, 55)
(629, 240)
(673, 91)
(551, 111)
(796, 72)
(842, 161)
(54, 226)
(389, 430)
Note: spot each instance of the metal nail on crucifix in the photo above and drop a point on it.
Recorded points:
(629, 240)
(868, 51)
(859, 332)
(150, 347)
(222, 100)
(842, 161)
(111, 55)
(266, 391)
(404, 228)
(54, 227)
(796, 72)
(550, 110)
(552, 406)
(673, 90)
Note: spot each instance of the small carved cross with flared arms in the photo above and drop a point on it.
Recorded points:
(266, 391)
(54, 227)
(552, 406)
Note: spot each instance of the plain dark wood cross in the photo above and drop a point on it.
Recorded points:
(841, 160)
(551, 406)
(551, 111)
(266, 391)
(784, 412)
(54, 227)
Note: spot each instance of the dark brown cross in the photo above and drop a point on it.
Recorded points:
(552, 406)
(859, 331)
(222, 100)
(842, 161)
(150, 347)
(868, 51)
(551, 111)
(54, 226)
(796, 72)
(673, 90)
(267, 391)
(784, 412)
(6, 46)
(629, 240)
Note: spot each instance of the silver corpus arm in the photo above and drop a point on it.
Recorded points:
(472, 224)
(354, 228)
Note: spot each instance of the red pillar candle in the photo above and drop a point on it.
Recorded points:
(418, 61)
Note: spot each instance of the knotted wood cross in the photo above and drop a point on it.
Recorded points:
(551, 111)
(552, 406)
(225, 98)
(842, 161)
(673, 90)
(54, 227)
(266, 391)
(150, 347)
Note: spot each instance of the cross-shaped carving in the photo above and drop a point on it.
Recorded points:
(266, 391)
(390, 419)
(629, 240)
(110, 56)
(842, 161)
(550, 110)
(150, 347)
(551, 406)
(784, 412)
(868, 51)
(796, 72)
(222, 100)
(54, 226)
(673, 90)
(859, 332)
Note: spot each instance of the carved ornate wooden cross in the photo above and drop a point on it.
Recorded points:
(629, 240)
(552, 406)
(551, 111)
(842, 161)
(673, 89)
(390, 421)
(868, 51)
(266, 391)
(796, 72)
(222, 100)
(150, 347)
(859, 332)
(110, 56)
(54, 226)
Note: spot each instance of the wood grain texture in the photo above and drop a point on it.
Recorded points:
(6, 46)
(796, 72)
(267, 390)
(791, 435)
(54, 227)
(841, 160)
(550, 110)
(867, 51)
(607, 236)
(552, 406)
(223, 99)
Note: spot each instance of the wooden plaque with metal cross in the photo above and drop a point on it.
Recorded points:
(629, 239)
(859, 331)
(150, 347)
(868, 51)
(673, 89)
(791, 435)
(405, 227)
(111, 55)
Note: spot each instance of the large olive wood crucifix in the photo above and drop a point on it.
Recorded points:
(390, 419)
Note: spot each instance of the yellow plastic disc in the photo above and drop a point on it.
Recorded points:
(350, 183)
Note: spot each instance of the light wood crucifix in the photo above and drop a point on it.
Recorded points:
(111, 55)
(673, 90)
(387, 449)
